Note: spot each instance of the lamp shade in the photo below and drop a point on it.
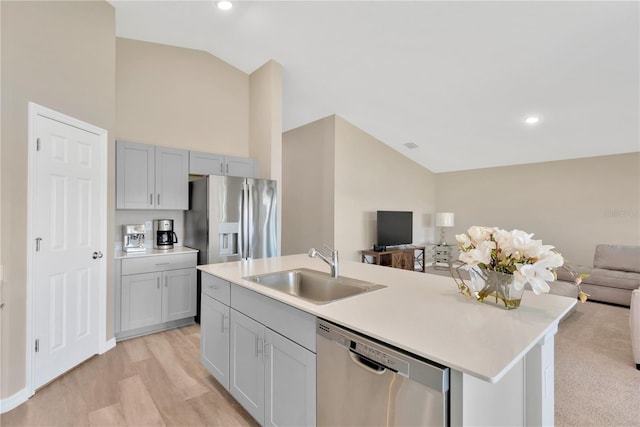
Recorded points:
(444, 219)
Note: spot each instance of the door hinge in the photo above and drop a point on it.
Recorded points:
(37, 345)
(37, 144)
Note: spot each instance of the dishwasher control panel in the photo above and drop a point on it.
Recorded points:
(366, 348)
(382, 357)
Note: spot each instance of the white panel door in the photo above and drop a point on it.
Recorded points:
(68, 206)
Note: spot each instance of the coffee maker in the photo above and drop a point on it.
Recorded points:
(163, 234)
(133, 237)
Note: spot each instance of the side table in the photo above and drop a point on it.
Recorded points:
(442, 255)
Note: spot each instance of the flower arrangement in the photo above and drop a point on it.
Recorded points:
(515, 253)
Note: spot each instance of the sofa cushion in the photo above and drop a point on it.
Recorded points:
(603, 277)
(617, 257)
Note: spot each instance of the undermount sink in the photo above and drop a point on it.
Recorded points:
(314, 286)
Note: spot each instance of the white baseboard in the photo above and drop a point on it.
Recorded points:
(107, 345)
(23, 395)
(14, 401)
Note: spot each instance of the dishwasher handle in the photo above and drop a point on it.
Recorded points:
(366, 364)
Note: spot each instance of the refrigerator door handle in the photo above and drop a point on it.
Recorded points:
(244, 222)
(249, 223)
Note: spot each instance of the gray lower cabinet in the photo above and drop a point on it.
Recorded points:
(290, 382)
(141, 300)
(247, 364)
(272, 377)
(214, 328)
(179, 294)
(270, 363)
(155, 293)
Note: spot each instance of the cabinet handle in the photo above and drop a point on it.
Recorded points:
(267, 351)
(158, 282)
(222, 168)
(225, 323)
(158, 199)
(166, 282)
(259, 345)
(227, 168)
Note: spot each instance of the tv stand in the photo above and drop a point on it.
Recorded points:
(407, 258)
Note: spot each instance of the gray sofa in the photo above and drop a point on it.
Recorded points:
(614, 275)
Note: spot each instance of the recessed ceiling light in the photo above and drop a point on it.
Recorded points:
(224, 5)
(531, 120)
(411, 145)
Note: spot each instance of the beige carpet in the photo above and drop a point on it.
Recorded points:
(596, 382)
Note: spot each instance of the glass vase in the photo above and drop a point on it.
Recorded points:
(495, 287)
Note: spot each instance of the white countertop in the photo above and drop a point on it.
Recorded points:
(155, 252)
(421, 313)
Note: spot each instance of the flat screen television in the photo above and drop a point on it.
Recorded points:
(395, 228)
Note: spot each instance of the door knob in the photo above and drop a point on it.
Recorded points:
(97, 255)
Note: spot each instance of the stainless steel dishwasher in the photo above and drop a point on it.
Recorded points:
(361, 382)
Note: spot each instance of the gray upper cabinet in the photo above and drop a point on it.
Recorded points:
(135, 175)
(218, 164)
(240, 166)
(150, 177)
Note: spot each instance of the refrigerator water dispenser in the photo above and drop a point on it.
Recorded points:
(228, 238)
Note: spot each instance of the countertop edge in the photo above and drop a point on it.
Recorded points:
(235, 271)
(155, 252)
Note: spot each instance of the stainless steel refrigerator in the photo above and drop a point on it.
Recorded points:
(231, 219)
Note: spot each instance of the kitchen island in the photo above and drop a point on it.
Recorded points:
(501, 361)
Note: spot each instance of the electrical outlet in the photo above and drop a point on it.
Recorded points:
(148, 226)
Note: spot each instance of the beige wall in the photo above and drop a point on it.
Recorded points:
(371, 176)
(60, 55)
(265, 128)
(336, 177)
(308, 186)
(176, 97)
(571, 204)
(265, 118)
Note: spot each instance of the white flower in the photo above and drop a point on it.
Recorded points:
(510, 252)
(536, 274)
(479, 234)
(551, 259)
(463, 240)
(522, 243)
(480, 255)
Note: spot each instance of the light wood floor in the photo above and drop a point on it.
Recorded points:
(156, 380)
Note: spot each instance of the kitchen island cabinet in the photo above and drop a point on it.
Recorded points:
(266, 356)
(495, 356)
(214, 327)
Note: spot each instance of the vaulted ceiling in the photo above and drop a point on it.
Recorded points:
(455, 78)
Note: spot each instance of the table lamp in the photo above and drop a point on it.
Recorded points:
(444, 220)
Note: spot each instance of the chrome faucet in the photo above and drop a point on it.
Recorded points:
(333, 262)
